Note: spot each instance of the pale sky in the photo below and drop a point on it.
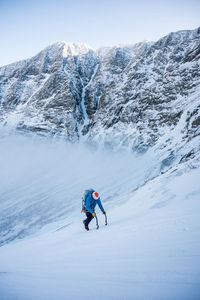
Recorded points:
(28, 26)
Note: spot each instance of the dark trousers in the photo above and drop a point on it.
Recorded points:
(89, 218)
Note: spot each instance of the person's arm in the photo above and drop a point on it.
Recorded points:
(100, 205)
(87, 204)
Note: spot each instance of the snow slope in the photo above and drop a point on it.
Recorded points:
(149, 250)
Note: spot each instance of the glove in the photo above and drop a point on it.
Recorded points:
(94, 215)
(104, 212)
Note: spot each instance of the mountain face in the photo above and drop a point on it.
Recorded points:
(125, 96)
(43, 94)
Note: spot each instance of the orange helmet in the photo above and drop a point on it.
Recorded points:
(95, 195)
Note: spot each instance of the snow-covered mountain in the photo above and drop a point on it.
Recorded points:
(141, 101)
(123, 96)
(140, 97)
(43, 94)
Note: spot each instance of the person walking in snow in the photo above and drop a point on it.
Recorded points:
(91, 199)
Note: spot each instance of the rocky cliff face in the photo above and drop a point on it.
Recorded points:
(44, 94)
(151, 93)
(125, 96)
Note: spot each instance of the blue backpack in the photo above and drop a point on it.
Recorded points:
(85, 195)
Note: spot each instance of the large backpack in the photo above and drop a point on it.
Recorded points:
(86, 193)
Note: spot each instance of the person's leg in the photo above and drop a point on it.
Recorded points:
(88, 219)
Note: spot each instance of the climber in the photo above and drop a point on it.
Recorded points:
(90, 200)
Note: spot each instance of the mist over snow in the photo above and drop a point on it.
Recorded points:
(43, 180)
(150, 248)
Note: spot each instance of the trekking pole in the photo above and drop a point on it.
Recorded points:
(106, 223)
(97, 222)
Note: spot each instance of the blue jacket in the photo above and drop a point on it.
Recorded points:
(90, 203)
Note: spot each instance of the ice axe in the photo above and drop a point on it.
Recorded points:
(97, 224)
(106, 222)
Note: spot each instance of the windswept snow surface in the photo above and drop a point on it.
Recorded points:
(149, 250)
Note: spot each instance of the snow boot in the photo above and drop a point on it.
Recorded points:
(86, 227)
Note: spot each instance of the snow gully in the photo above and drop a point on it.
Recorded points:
(86, 119)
